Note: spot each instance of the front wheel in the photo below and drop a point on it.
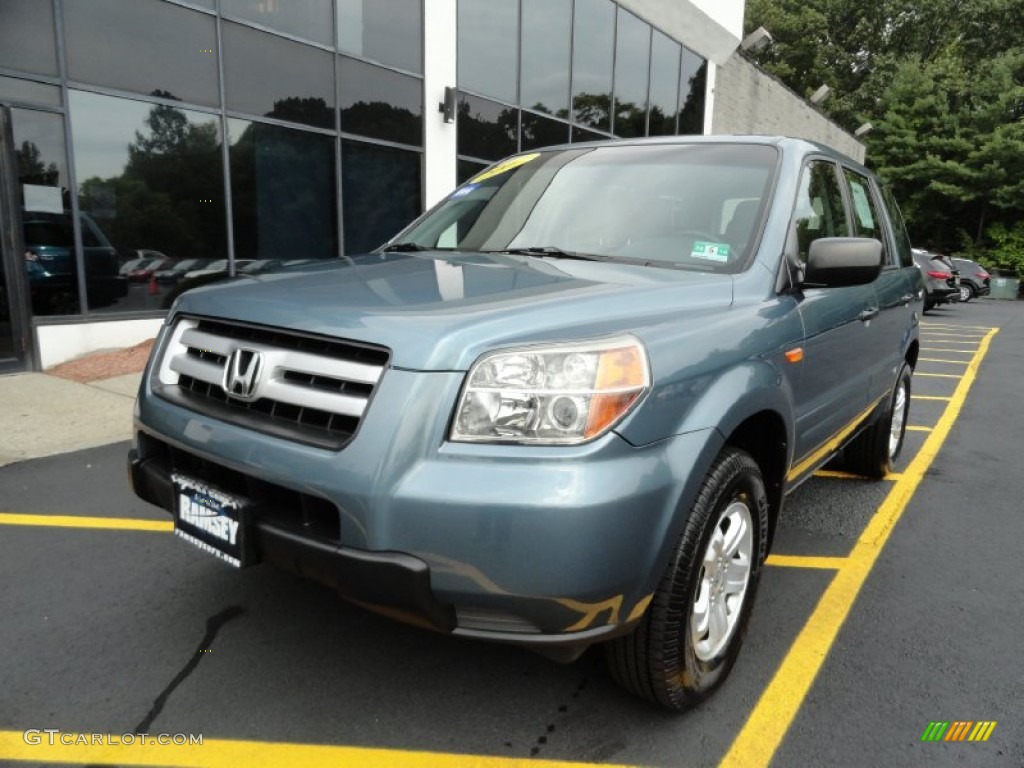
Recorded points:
(686, 643)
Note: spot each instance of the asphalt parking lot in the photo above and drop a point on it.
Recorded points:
(888, 606)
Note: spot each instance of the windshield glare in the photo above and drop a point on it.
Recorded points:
(692, 206)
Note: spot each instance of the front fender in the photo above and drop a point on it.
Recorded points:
(720, 400)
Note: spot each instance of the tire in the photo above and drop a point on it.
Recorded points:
(874, 450)
(966, 293)
(667, 659)
(928, 304)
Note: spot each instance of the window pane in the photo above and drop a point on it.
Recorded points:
(150, 183)
(379, 103)
(665, 54)
(582, 134)
(632, 60)
(691, 93)
(819, 207)
(899, 229)
(161, 49)
(487, 130)
(388, 31)
(381, 189)
(26, 36)
(544, 74)
(15, 89)
(488, 31)
(867, 222)
(311, 19)
(592, 56)
(46, 216)
(541, 132)
(467, 169)
(283, 195)
(269, 75)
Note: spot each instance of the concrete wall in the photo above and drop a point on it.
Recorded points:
(748, 100)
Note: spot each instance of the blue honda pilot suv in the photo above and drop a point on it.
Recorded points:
(563, 407)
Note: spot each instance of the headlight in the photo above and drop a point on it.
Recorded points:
(559, 394)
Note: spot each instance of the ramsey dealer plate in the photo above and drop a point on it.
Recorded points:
(212, 520)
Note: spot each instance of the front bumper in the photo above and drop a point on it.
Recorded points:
(554, 548)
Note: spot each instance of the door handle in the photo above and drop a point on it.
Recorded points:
(868, 314)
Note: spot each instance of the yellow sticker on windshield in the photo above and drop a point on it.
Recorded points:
(505, 166)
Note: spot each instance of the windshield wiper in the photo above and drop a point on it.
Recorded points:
(550, 250)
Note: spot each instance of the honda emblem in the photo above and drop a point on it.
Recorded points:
(242, 374)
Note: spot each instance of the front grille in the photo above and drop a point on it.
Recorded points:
(302, 513)
(309, 389)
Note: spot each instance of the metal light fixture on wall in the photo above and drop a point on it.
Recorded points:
(448, 105)
(757, 40)
(820, 95)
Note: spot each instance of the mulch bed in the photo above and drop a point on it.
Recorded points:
(104, 365)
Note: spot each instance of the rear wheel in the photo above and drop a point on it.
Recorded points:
(966, 293)
(690, 636)
(874, 450)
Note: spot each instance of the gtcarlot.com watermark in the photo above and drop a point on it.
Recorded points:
(54, 736)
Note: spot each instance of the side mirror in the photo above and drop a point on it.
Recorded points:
(834, 262)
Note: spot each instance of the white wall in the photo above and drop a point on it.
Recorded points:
(60, 343)
(440, 30)
(712, 28)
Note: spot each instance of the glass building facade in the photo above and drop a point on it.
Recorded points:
(539, 72)
(229, 134)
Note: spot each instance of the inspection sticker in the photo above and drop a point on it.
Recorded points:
(710, 251)
(505, 166)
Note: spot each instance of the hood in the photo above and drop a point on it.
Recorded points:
(441, 311)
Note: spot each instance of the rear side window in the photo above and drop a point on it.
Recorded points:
(867, 222)
(899, 229)
(819, 206)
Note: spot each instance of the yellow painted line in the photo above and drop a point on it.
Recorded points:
(801, 561)
(230, 753)
(757, 742)
(911, 428)
(938, 375)
(850, 475)
(931, 397)
(75, 521)
(939, 360)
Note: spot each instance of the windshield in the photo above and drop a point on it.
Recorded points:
(693, 206)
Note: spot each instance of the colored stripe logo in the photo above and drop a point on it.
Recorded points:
(958, 730)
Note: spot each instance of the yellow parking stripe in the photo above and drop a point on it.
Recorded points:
(918, 429)
(802, 561)
(74, 521)
(945, 350)
(929, 397)
(230, 753)
(938, 375)
(850, 475)
(938, 360)
(757, 742)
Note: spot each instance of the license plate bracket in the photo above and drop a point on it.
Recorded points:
(212, 520)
